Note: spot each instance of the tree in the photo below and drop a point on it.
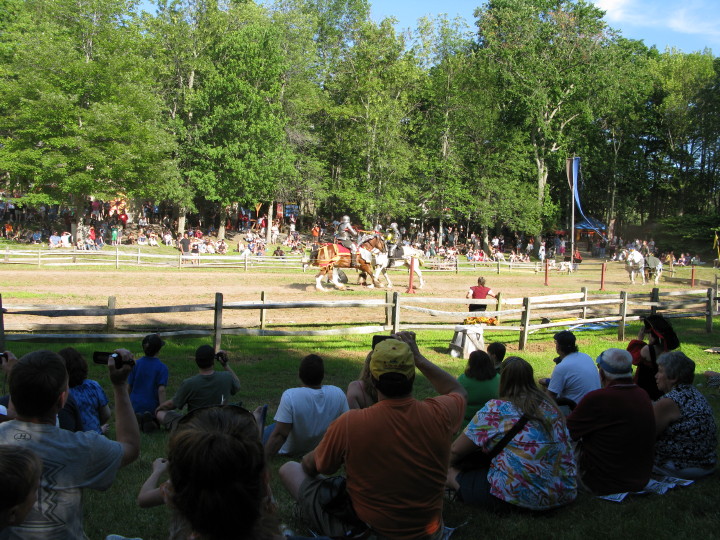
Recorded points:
(363, 129)
(238, 149)
(80, 116)
(550, 56)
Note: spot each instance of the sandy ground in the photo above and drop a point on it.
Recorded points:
(168, 287)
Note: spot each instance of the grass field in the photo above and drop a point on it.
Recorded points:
(268, 365)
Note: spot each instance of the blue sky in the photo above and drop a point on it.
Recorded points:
(687, 25)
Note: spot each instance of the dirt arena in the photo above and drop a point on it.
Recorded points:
(25, 286)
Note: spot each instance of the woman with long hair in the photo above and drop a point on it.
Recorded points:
(533, 467)
(361, 393)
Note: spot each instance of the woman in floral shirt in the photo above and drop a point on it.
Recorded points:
(536, 470)
(684, 421)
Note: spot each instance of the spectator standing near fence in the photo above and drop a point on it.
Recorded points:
(480, 292)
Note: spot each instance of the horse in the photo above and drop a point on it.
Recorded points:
(406, 253)
(330, 257)
(634, 265)
(652, 269)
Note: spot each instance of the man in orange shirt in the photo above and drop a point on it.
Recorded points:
(395, 453)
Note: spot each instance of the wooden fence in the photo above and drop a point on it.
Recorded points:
(522, 315)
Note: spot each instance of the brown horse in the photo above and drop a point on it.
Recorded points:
(329, 257)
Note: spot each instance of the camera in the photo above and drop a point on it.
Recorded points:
(221, 357)
(377, 339)
(103, 358)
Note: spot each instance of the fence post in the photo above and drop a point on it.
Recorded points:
(111, 317)
(717, 302)
(246, 261)
(411, 276)
(498, 266)
(218, 320)
(692, 276)
(547, 272)
(388, 308)
(623, 315)
(498, 307)
(584, 292)
(602, 276)
(396, 313)
(709, 312)
(7, 254)
(654, 297)
(2, 325)
(457, 265)
(524, 323)
(117, 258)
(262, 311)
(39, 258)
(138, 256)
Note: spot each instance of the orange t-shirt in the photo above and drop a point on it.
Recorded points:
(396, 455)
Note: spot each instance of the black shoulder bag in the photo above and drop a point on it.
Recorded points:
(480, 459)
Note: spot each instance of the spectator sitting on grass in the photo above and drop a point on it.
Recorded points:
(90, 398)
(496, 351)
(218, 487)
(148, 382)
(480, 380)
(685, 425)
(361, 393)
(305, 412)
(73, 461)
(395, 453)
(616, 428)
(20, 472)
(207, 388)
(575, 373)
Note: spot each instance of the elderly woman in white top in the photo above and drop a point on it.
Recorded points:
(686, 430)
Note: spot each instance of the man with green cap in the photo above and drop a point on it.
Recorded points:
(395, 453)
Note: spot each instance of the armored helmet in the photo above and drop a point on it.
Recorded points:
(346, 219)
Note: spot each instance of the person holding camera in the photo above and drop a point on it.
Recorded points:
(72, 460)
(207, 388)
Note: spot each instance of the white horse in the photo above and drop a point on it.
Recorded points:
(407, 253)
(635, 265)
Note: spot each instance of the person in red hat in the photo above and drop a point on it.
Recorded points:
(661, 338)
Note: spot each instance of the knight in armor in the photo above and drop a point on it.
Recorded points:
(346, 236)
(393, 238)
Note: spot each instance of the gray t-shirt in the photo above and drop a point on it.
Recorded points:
(206, 390)
(71, 462)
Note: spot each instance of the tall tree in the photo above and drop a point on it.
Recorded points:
(550, 56)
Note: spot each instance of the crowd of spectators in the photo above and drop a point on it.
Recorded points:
(594, 426)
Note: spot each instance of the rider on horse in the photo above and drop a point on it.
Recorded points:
(345, 230)
(393, 238)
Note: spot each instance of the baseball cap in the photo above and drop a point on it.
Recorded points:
(392, 356)
(565, 338)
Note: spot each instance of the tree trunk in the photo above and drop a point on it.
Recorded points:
(181, 217)
(223, 219)
(269, 223)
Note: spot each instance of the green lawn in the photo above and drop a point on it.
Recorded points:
(268, 365)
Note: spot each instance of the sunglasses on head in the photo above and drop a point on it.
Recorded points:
(230, 407)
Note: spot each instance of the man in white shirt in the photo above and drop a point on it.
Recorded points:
(305, 412)
(575, 374)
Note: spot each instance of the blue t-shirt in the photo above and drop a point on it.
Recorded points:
(149, 373)
(89, 397)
